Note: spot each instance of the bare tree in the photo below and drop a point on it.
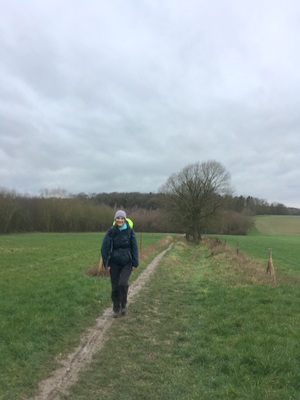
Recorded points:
(8, 208)
(195, 194)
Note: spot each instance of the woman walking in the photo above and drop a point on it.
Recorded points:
(119, 252)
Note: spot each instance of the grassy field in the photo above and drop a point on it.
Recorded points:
(278, 224)
(278, 233)
(201, 329)
(208, 325)
(48, 300)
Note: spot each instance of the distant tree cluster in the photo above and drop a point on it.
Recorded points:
(252, 206)
(57, 211)
(195, 201)
(50, 214)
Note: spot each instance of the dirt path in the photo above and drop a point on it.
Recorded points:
(91, 342)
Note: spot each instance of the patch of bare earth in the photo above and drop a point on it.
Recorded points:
(92, 341)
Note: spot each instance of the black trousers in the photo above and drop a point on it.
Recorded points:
(119, 276)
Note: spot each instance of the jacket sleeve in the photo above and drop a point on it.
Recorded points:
(106, 247)
(134, 250)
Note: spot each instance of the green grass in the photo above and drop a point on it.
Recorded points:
(285, 249)
(47, 301)
(278, 224)
(284, 241)
(200, 330)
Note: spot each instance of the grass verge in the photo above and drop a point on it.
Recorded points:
(285, 249)
(47, 301)
(203, 328)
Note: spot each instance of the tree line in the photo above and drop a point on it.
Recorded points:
(194, 201)
(57, 211)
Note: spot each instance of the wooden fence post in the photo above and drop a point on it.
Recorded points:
(270, 267)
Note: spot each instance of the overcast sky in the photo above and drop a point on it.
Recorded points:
(117, 95)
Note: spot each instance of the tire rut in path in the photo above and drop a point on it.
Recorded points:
(92, 341)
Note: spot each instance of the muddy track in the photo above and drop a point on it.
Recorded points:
(92, 341)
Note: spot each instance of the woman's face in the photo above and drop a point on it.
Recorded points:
(120, 221)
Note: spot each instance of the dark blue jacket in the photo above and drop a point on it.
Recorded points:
(119, 247)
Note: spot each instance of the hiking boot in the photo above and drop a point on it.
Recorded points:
(123, 311)
(115, 314)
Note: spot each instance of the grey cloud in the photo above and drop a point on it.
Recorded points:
(117, 96)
